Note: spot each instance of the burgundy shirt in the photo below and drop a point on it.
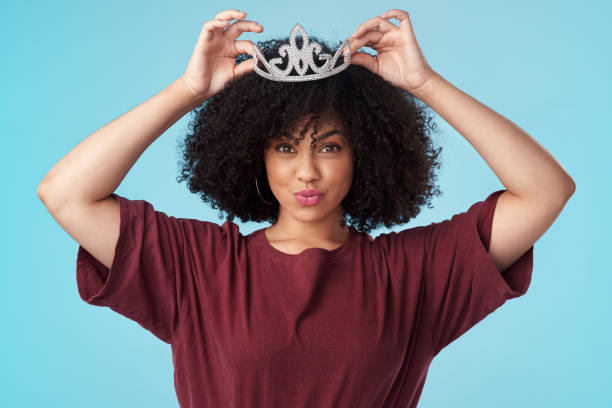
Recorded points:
(251, 326)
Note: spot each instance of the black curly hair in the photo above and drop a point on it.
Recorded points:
(386, 127)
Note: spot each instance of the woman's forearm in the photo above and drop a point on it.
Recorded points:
(94, 168)
(523, 166)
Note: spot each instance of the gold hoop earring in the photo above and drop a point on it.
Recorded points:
(262, 199)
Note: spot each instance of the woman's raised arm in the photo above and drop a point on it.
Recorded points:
(95, 167)
(77, 191)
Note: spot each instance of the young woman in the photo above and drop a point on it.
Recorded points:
(310, 311)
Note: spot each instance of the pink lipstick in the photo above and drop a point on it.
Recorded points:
(308, 197)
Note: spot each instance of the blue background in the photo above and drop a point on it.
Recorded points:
(70, 67)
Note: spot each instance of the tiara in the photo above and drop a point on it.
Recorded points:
(301, 59)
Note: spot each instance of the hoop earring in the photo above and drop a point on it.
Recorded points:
(257, 186)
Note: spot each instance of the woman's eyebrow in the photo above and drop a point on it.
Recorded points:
(328, 134)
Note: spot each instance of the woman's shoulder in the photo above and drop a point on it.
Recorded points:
(209, 235)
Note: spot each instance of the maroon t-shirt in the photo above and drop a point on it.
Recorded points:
(251, 326)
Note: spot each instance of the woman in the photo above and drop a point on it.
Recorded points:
(311, 311)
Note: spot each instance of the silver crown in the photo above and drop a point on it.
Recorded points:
(301, 59)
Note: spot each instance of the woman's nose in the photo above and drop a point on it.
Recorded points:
(307, 168)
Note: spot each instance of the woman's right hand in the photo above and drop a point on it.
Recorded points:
(213, 62)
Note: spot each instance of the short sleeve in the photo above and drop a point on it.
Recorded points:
(462, 283)
(142, 281)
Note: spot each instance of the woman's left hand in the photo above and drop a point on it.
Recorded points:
(399, 58)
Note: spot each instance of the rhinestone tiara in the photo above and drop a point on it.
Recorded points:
(301, 59)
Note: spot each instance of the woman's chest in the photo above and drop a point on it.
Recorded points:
(339, 315)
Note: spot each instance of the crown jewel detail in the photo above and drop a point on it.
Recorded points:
(301, 59)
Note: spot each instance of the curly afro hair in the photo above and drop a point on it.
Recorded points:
(386, 127)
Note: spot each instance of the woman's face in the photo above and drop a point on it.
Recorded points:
(327, 168)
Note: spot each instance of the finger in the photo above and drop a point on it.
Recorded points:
(377, 22)
(232, 14)
(368, 39)
(401, 15)
(365, 60)
(210, 27)
(244, 67)
(244, 47)
(215, 24)
(235, 30)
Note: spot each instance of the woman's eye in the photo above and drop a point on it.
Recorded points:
(332, 145)
(280, 146)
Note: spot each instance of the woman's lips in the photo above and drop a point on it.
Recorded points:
(309, 192)
(308, 200)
